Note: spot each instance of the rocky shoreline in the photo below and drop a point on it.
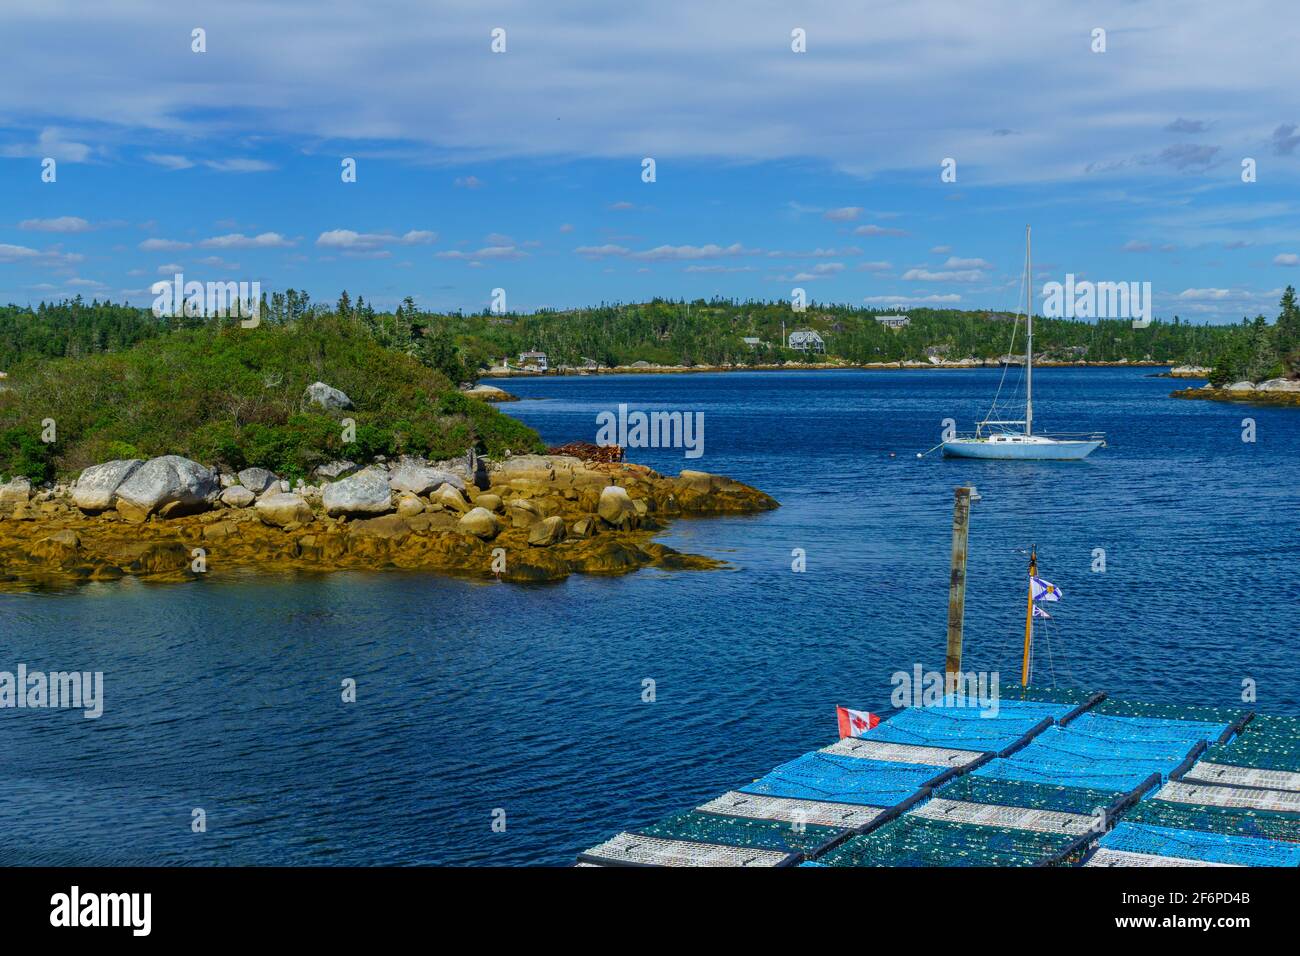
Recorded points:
(1277, 391)
(830, 365)
(529, 518)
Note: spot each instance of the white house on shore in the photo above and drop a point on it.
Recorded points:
(533, 360)
(806, 340)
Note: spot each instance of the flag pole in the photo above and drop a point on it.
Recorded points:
(1029, 617)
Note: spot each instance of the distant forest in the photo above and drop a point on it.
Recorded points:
(702, 332)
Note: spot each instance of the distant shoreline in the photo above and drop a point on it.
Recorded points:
(817, 367)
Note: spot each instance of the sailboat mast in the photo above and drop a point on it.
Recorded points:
(1029, 348)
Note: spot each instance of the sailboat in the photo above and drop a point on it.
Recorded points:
(999, 438)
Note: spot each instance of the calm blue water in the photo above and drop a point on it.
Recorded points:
(472, 697)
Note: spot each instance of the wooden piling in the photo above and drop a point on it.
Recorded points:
(963, 496)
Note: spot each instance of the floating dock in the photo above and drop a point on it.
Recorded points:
(1055, 778)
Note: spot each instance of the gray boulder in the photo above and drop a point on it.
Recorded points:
(547, 532)
(523, 513)
(588, 526)
(257, 480)
(96, 489)
(449, 497)
(16, 492)
(237, 496)
(282, 509)
(335, 470)
(1280, 385)
(615, 505)
(419, 478)
(481, 523)
(365, 493)
(169, 486)
(327, 397)
(408, 506)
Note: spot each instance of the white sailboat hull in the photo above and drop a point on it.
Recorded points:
(1020, 449)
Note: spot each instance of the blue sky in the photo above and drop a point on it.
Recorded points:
(774, 169)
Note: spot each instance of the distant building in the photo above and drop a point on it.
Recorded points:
(752, 342)
(894, 321)
(806, 340)
(535, 360)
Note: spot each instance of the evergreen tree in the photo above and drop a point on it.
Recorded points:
(1287, 332)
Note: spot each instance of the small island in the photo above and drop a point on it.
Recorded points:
(1257, 364)
(309, 446)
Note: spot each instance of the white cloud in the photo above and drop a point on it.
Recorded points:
(1286, 259)
(687, 252)
(51, 256)
(818, 253)
(239, 165)
(216, 262)
(168, 160)
(630, 76)
(163, 245)
(952, 275)
(49, 143)
(61, 224)
(843, 213)
(488, 252)
(709, 251)
(348, 240)
(874, 230)
(1205, 294)
(237, 240)
(949, 299)
(955, 263)
(823, 270)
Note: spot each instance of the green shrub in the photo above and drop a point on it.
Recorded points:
(235, 397)
(23, 454)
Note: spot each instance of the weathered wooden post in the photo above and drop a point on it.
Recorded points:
(963, 496)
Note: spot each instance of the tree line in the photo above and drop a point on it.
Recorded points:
(679, 332)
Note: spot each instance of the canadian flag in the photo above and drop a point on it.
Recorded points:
(855, 723)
